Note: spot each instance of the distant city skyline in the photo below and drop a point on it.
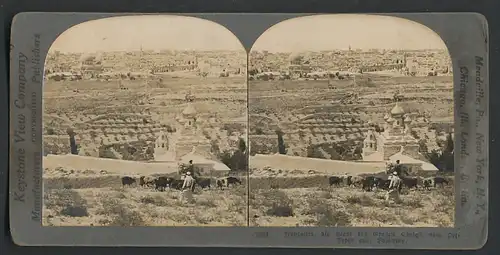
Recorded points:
(149, 32)
(342, 50)
(332, 32)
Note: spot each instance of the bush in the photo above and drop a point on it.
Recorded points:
(328, 217)
(74, 211)
(415, 202)
(127, 218)
(280, 204)
(325, 215)
(120, 215)
(280, 211)
(443, 160)
(236, 160)
(154, 200)
(206, 203)
(50, 131)
(66, 202)
(281, 143)
(363, 200)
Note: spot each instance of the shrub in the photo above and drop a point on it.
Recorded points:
(280, 204)
(66, 202)
(154, 200)
(329, 217)
(363, 200)
(281, 143)
(127, 218)
(50, 131)
(415, 202)
(325, 215)
(120, 215)
(325, 195)
(206, 202)
(280, 211)
(258, 131)
(74, 211)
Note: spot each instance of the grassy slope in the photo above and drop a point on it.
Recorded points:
(351, 207)
(268, 207)
(142, 207)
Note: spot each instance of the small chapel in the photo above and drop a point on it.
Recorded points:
(187, 139)
(191, 139)
(187, 142)
(395, 143)
(395, 138)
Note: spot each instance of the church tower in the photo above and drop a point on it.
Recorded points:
(395, 138)
(188, 119)
(190, 139)
(397, 134)
(396, 121)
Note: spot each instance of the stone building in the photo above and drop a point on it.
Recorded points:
(395, 138)
(90, 65)
(298, 65)
(188, 138)
(187, 143)
(177, 66)
(191, 139)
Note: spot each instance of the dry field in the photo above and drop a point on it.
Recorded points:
(77, 197)
(135, 206)
(348, 206)
(91, 200)
(289, 96)
(305, 198)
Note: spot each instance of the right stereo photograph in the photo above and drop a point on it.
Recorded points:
(350, 124)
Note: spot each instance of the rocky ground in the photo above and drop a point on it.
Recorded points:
(143, 207)
(351, 207)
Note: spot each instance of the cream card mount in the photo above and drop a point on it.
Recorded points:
(290, 129)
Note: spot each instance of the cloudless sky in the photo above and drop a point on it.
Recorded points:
(339, 31)
(152, 32)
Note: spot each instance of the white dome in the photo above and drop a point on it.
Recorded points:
(189, 111)
(87, 57)
(397, 110)
(295, 57)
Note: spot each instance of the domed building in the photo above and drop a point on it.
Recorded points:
(187, 143)
(191, 140)
(395, 143)
(298, 65)
(295, 59)
(396, 137)
(187, 139)
(90, 64)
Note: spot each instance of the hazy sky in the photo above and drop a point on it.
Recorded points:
(152, 32)
(330, 32)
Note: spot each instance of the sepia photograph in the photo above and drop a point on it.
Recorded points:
(145, 124)
(351, 123)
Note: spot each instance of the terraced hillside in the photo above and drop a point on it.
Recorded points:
(319, 113)
(123, 122)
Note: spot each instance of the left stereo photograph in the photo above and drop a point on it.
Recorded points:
(144, 124)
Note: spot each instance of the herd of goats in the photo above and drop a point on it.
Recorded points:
(367, 183)
(160, 183)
